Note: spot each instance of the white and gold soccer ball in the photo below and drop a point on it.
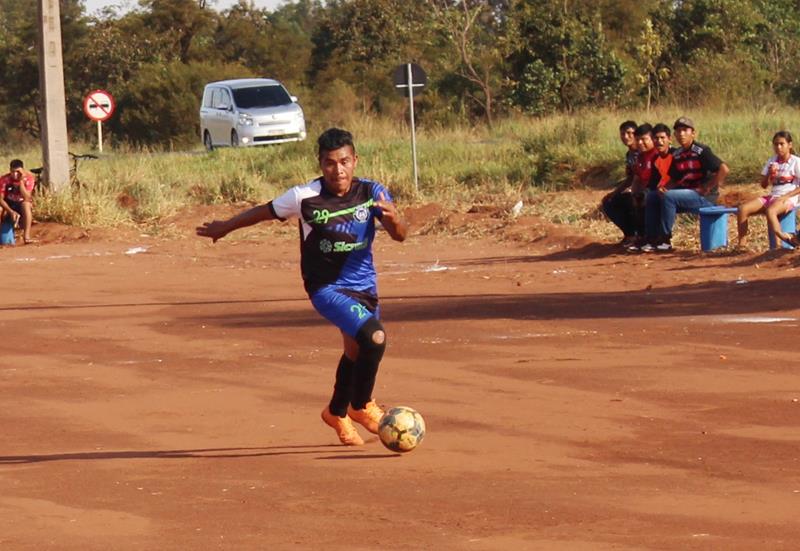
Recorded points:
(401, 429)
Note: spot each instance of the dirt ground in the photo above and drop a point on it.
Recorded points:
(165, 394)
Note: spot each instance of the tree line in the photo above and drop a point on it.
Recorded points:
(484, 58)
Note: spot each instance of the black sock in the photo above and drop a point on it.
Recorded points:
(343, 387)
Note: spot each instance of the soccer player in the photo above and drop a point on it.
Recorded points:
(618, 203)
(337, 213)
(695, 176)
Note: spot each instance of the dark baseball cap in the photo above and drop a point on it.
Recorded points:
(683, 121)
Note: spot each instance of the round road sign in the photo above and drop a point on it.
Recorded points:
(98, 105)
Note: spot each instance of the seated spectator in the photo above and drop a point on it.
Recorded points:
(618, 203)
(695, 177)
(782, 172)
(17, 188)
(658, 181)
(643, 170)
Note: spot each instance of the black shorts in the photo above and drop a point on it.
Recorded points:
(16, 206)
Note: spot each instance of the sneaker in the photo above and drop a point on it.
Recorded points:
(647, 248)
(664, 247)
(344, 428)
(633, 248)
(369, 417)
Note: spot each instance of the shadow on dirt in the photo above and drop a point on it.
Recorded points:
(201, 453)
(707, 298)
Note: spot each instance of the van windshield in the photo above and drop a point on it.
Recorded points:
(261, 96)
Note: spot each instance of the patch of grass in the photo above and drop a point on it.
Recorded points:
(519, 158)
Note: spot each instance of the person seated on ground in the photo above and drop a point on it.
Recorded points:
(695, 177)
(658, 181)
(618, 203)
(782, 171)
(6, 212)
(642, 173)
(18, 187)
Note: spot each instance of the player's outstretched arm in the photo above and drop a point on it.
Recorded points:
(391, 219)
(218, 229)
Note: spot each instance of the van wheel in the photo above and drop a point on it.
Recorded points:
(207, 141)
(234, 138)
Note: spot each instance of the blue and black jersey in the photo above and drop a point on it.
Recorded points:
(336, 233)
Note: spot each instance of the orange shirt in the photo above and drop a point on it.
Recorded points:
(662, 165)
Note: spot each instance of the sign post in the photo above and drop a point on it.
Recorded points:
(407, 77)
(99, 106)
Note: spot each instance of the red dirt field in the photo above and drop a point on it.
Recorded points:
(577, 398)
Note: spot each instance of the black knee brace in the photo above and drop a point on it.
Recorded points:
(371, 340)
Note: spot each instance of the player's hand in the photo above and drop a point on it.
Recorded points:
(216, 229)
(388, 209)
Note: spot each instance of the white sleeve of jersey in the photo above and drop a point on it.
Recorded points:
(287, 205)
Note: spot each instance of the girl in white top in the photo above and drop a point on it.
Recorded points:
(782, 171)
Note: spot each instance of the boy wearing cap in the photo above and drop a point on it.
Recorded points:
(695, 176)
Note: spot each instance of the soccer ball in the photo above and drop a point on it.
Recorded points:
(401, 429)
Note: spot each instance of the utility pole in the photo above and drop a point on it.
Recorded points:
(51, 88)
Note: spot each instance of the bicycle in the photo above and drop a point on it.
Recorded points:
(75, 183)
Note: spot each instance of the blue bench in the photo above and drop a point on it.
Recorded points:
(788, 225)
(714, 228)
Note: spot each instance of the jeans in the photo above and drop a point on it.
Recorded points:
(652, 215)
(679, 200)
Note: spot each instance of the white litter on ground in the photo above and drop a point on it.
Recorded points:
(756, 319)
(136, 250)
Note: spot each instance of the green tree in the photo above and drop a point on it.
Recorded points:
(647, 50)
(476, 31)
(562, 58)
(361, 41)
(185, 25)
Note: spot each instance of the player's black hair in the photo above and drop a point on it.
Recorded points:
(16, 163)
(333, 139)
(627, 124)
(643, 129)
(661, 127)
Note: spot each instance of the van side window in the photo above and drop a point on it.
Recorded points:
(225, 99)
(207, 97)
(215, 98)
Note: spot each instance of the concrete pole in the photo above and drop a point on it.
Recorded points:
(51, 88)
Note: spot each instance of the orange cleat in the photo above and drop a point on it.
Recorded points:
(369, 417)
(344, 428)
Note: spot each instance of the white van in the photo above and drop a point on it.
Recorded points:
(249, 111)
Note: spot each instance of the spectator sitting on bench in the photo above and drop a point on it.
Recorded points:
(658, 180)
(782, 171)
(643, 170)
(618, 203)
(17, 188)
(695, 177)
